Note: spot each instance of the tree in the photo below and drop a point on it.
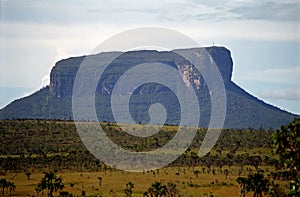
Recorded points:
(171, 190)
(294, 189)
(276, 190)
(11, 186)
(157, 189)
(28, 174)
(286, 144)
(3, 185)
(37, 190)
(51, 182)
(7, 184)
(100, 180)
(255, 183)
(255, 161)
(128, 189)
(196, 173)
(242, 185)
(226, 172)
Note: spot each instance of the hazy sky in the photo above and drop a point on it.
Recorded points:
(263, 37)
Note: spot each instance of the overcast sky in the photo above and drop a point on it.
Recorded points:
(263, 37)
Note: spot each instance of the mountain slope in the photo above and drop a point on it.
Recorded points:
(55, 100)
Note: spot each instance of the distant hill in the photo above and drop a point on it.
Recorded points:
(55, 100)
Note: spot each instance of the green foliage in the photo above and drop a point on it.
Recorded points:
(294, 188)
(276, 190)
(196, 173)
(255, 183)
(286, 144)
(3, 185)
(51, 182)
(242, 181)
(171, 190)
(157, 189)
(11, 187)
(128, 189)
(65, 194)
(56, 144)
(27, 173)
(7, 184)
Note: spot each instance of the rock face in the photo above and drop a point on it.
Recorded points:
(54, 101)
(63, 73)
(62, 76)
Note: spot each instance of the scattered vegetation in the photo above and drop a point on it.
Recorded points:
(10, 186)
(128, 189)
(240, 158)
(51, 183)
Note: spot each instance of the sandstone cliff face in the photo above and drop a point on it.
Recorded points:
(222, 58)
(61, 84)
(64, 72)
(62, 76)
(219, 55)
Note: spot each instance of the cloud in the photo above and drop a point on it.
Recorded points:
(45, 80)
(284, 94)
(113, 11)
(289, 75)
(225, 19)
(77, 12)
(240, 10)
(29, 51)
(267, 10)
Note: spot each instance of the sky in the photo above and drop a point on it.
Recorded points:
(263, 37)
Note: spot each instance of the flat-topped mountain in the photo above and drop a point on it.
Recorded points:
(55, 101)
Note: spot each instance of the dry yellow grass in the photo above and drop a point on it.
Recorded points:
(115, 181)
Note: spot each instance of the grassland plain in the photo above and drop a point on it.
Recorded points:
(37, 146)
(114, 182)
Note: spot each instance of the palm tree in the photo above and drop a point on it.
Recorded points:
(242, 185)
(3, 185)
(11, 186)
(157, 189)
(51, 182)
(7, 184)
